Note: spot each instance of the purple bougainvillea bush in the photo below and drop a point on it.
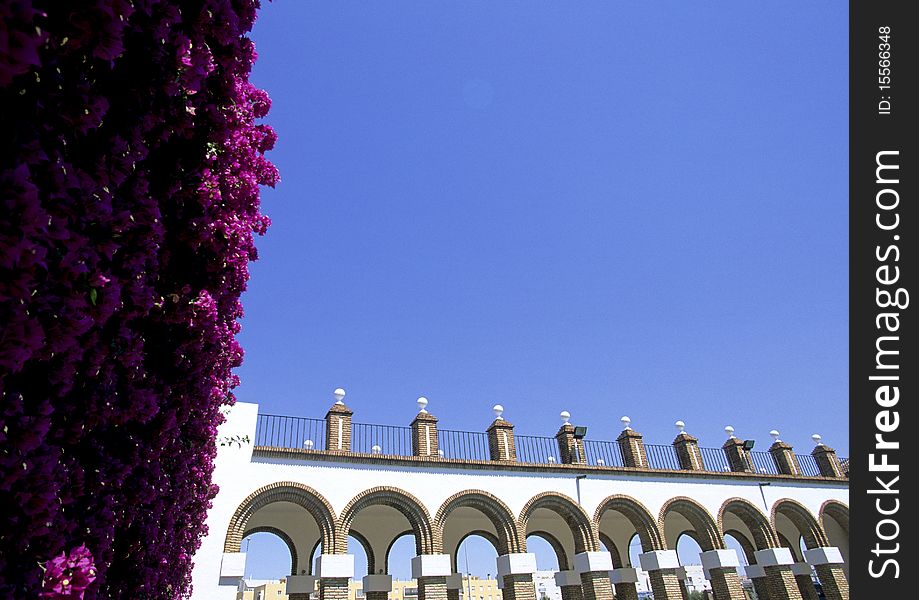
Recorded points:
(130, 168)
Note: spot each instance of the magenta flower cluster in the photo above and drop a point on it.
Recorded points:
(129, 197)
(67, 576)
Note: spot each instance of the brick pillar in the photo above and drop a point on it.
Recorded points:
(453, 594)
(624, 580)
(662, 567)
(828, 563)
(784, 456)
(299, 587)
(805, 583)
(376, 587)
(780, 580)
(687, 451)
(760, 585)
(338, 428)
(738, 458)
(432, 588)
(632, 447)
(684, 591)
(333, 588)
(518, 586)
(501, 440)
(834, 582)
(375, 595)
(827, 461)
(570, 450)
(424, 435)
(726, 584)
(570, 584)
(596, 586)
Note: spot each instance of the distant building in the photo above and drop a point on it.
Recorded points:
(262, 589)
(544, 581)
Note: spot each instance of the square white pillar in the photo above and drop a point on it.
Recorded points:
(335, 565)
(301, 584)
(828, 555)
(801, 569)
(586, 562)
(659, 559)
(455, 581)
(377, 583)
(233, 564)
(774, 557)
(623, 575)
(518, 563)
(431, 565)
(755, 571)
(719, 559)
(563, 578)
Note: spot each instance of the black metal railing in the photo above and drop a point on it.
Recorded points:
(662, 457)
(763, 463)
(388, 440)
(715, 460)
(603, 453)
(279, 431)
(464, 445)
(536, 450)
(808, 465)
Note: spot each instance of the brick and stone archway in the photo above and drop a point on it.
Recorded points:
(794, 521)
(489, 506)
(834, 518)
(288, 541)
(402, 502)
(682, 515)
(277, 495)
(618, 518)
(562, 517)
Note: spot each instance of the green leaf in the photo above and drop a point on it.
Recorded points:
(93, 295)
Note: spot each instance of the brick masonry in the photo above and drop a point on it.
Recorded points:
(298, 597)
(374, 596)
(432, 588)
(726, 584)
(781, 584)
(519, 587)
(571, 450)
(501, 445)
(827, 461)
(453, 594)
(595, 585)
(572, 592)
(785, 460)
(632, 446)
(665, 585)
(333, 588)
(626, 591)
(424, 435)
(806, 587)
(338, 428)
(834, 582)
(738, 458)
(761, 587)
(687, 451)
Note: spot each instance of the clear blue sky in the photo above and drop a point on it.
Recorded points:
(628, 208)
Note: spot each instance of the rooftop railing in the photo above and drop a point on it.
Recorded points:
(302, 433)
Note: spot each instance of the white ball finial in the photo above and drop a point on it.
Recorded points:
(422, 403)
(817, 437)
(730, 431)
(601, 462)
(499, 410)
(551, 459)
(680, 426)
(376, 449)
(339, 394)
(440, 453)
(626, 422)
(308, 444)
(775, 435)
(565, 416)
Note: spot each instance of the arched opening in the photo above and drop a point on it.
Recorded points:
(834, 517)
(550, 554)
(480, 514)
(475, 557)
(799, 531)
(562, 523)
(688, 551)
(270, 555)
(399, 554)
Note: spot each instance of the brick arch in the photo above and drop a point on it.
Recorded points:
(284, 538)
(492, 539)
(412, 508)
(368, 550)
(758, 523)
(803, 520)
(707, 533)
(560, 555)
(494, 509)
(749, 549)
(283, 491)
(392, 543)
(837, 511)
(638, 515)
(585, 538)
(612, 549)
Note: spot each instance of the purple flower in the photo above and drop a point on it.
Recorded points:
(67, 576)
